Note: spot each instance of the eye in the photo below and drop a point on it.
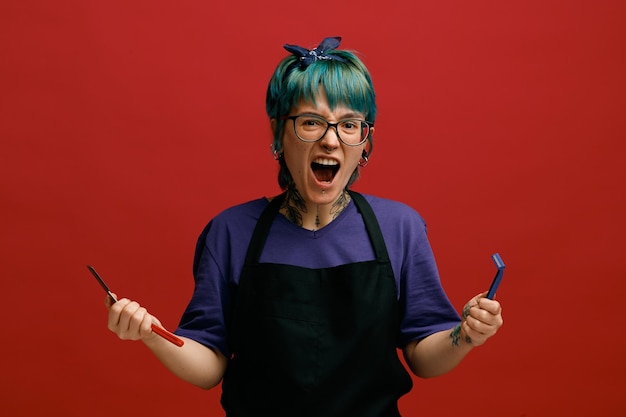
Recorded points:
(311, 122)
(350, 125)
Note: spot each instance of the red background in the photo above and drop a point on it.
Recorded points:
(126, 125)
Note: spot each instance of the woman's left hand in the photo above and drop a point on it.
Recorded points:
(482, 318)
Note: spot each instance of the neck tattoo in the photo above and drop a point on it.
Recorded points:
(317, 218)
(294, 207)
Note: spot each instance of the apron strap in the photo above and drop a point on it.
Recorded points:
(372, 226)
(261, 231)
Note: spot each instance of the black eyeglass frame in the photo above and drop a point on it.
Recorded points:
(370, 125)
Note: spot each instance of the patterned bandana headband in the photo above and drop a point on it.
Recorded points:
(307, 57)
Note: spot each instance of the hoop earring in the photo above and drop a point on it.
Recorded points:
(275, 153)
(364, 160)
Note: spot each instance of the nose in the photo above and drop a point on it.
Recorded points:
(330, 140)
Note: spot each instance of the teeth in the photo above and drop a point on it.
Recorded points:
(323, 161)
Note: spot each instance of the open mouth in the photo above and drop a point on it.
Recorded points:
(324, 169)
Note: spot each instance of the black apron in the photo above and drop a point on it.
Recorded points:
(315, 342)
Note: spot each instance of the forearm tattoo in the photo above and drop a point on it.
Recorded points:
(455, 334)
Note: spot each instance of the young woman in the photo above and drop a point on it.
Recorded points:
(301, 300)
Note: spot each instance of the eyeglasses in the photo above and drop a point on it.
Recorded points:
(311, 128)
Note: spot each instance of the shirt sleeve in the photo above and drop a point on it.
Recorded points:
(424, 306)
(218, 260)
(204, 320)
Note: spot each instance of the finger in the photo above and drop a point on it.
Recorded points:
(476, 333)
(484, 324)
(468, 307)
(128, 325)
(156, 321)
(109, 301)
(139, 323)
(492, 306)
(146, 324)
(476, 325)
(481, 315)
(115, 311)
(470, 336)
(484, 321)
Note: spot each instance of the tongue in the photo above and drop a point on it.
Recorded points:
(323, 174)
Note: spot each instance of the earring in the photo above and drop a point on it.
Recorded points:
(275, 153)
(364, 160)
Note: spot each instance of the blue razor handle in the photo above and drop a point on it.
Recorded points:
(496, 280)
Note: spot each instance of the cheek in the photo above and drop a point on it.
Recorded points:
(295, 157)
(353, 157)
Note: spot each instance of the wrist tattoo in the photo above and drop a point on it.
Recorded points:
(464, 315)
(455, 335)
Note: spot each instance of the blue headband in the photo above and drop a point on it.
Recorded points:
(306, 57)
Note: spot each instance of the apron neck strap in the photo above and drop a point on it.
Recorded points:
(261, 231)
(372, 226)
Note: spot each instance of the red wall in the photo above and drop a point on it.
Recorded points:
(126, 125)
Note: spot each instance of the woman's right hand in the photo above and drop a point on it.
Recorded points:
(129, 320)
(193, 362)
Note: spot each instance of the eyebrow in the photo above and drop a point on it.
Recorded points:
(348, 115)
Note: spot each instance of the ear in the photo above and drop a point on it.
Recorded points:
(273, 123)
(369, 143)
(273, 127)
(367, 150)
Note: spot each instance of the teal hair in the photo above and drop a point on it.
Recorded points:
(346, 83)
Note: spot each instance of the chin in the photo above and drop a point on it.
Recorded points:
(326, 195)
